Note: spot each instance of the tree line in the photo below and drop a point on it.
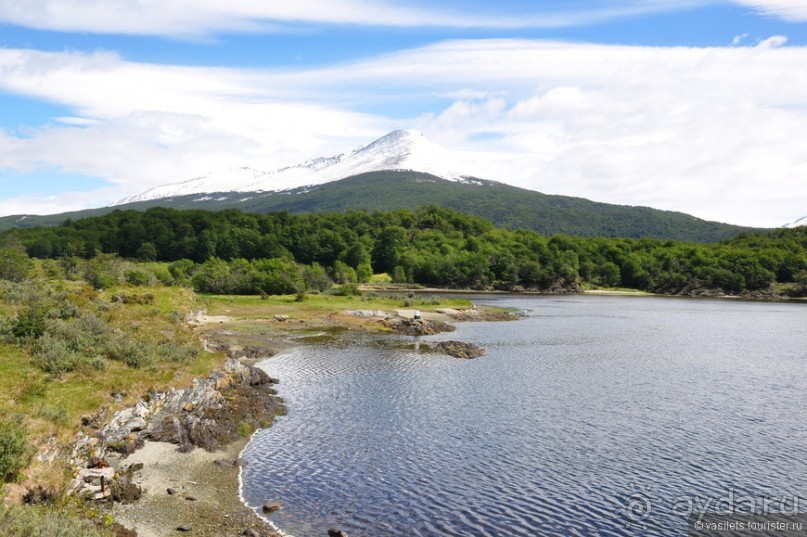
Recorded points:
(275, 253)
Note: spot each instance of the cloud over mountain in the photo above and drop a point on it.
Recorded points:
(709, 131)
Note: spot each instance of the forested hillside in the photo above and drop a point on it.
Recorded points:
(504, 205)
(234, 252)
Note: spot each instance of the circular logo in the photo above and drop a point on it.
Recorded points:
(638, 508)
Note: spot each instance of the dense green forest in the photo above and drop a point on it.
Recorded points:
(504, 205)
(277, 253)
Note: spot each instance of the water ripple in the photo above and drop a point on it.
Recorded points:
(576, 409)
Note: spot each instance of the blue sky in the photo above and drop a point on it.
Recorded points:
(690, 105)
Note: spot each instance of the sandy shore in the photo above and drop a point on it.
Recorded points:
(207, 494)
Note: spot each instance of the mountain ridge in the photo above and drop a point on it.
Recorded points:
(405, 170)
(504, 205)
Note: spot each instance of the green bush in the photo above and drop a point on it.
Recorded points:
(364, 272)
(163, 275)
(15, 451)
(347, 289)
(103, 272)
(100, 280)
(181, 271)
(29, 324)
(54, 355)
(65, 310)
(14, 265)
(171, 351)
(137, 277)
(124, 348)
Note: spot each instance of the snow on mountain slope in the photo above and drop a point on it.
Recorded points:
(800, 222)
(399, 150)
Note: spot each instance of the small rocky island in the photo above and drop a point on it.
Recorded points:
(459, 349)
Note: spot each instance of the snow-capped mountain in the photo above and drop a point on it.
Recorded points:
(399, 150)
(797, 223)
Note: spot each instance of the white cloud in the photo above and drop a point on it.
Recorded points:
(738, 39)
(775, 41)
(791, 10)
(713, 132)
(198, 18)
(139, 125)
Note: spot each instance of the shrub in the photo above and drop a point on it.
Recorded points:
(29, 324)
(15, 451)
(137, 277)
(163, 275)
(95, 362)
(364, 272)
(66, 310)
(53, 269)
(77, 335)
(14, 265)
(399, 275)
(124, 348)
(103, 272)
(315, 277)
(99, 279)
(124, 298)
(54, 356)
(172, 351)
(181, 271)
(342, 273)
(347, 289)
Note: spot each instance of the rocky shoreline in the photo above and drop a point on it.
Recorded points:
(172, 461)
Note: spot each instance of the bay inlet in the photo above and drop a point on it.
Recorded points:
(588, 416)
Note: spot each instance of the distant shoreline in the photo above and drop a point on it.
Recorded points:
(584, 292)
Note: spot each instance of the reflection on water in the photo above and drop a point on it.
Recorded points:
(582, 414)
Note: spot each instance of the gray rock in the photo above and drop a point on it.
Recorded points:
(417, 327)
(171, 491)
(93, 474)
(185, 527)
(458, 349)
(135, 425)
(367, 313)
(249, 532)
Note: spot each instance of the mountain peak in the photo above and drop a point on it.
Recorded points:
(405, 149)
(402, 143)
(401, 134)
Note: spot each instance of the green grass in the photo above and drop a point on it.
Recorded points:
(53, 407)
(253, 307)
(46, 522)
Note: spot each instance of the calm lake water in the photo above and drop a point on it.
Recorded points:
(589, 416)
